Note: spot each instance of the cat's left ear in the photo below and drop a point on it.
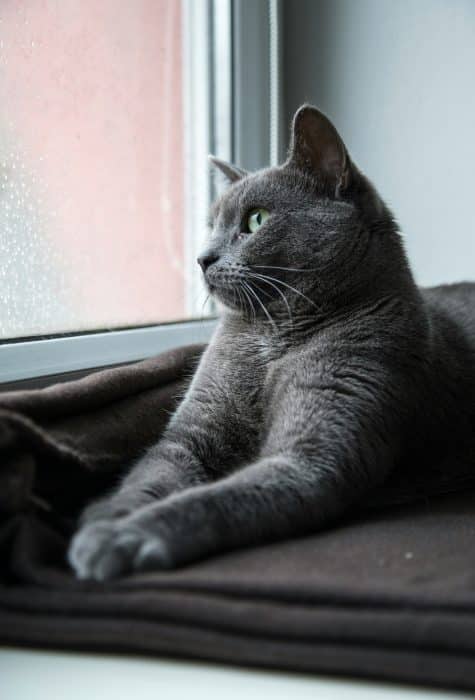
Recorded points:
(316, 147)
(231, 172)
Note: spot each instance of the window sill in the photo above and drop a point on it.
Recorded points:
(25, 360)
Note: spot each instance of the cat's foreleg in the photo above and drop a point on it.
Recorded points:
(200, 443)
(165, 468)
(324, 466)
(168, 467)
(272, 499)
(183, 457)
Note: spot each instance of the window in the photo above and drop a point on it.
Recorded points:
(109, 111)
(92, 201)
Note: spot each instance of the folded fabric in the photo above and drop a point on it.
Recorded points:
(388, 593)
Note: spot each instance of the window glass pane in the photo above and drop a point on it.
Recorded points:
(91, 165)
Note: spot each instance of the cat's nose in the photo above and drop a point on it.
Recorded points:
(207, 259)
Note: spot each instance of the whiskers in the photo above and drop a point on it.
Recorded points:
(275, 280)
(204, 305)
(244, 295)
(258, 294)
(274, 286)
(289, 269)
(253, 294)
(251, 286)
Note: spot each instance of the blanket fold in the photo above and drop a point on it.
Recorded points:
(388, 593)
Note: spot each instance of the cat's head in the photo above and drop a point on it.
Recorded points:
(290, 238)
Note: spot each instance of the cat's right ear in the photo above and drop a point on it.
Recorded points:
(231, 172)
(316, 147)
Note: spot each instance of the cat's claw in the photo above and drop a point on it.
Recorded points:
(104, 550)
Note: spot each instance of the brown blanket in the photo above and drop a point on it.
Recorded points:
(388, 593)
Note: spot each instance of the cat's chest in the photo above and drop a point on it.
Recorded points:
(255, 371)
(249, 369)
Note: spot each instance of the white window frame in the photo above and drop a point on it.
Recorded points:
(257, 57)
(231, 98)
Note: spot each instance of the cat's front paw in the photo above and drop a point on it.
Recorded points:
(105, 549)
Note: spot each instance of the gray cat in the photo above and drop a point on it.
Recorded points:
(328, 370)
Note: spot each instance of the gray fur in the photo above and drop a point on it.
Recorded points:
(319, 381)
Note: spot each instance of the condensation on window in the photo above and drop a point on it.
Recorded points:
(34, 281)
(91, 166)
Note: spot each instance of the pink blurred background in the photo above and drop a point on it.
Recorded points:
(91, 128)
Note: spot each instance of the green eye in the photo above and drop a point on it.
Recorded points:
(256, 219)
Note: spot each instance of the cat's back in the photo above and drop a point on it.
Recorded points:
(451, 304)
(451, 349)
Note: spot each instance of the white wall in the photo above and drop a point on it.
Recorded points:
(398, 79)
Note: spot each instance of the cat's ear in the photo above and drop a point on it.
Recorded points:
(316, 147)
(231, 172)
